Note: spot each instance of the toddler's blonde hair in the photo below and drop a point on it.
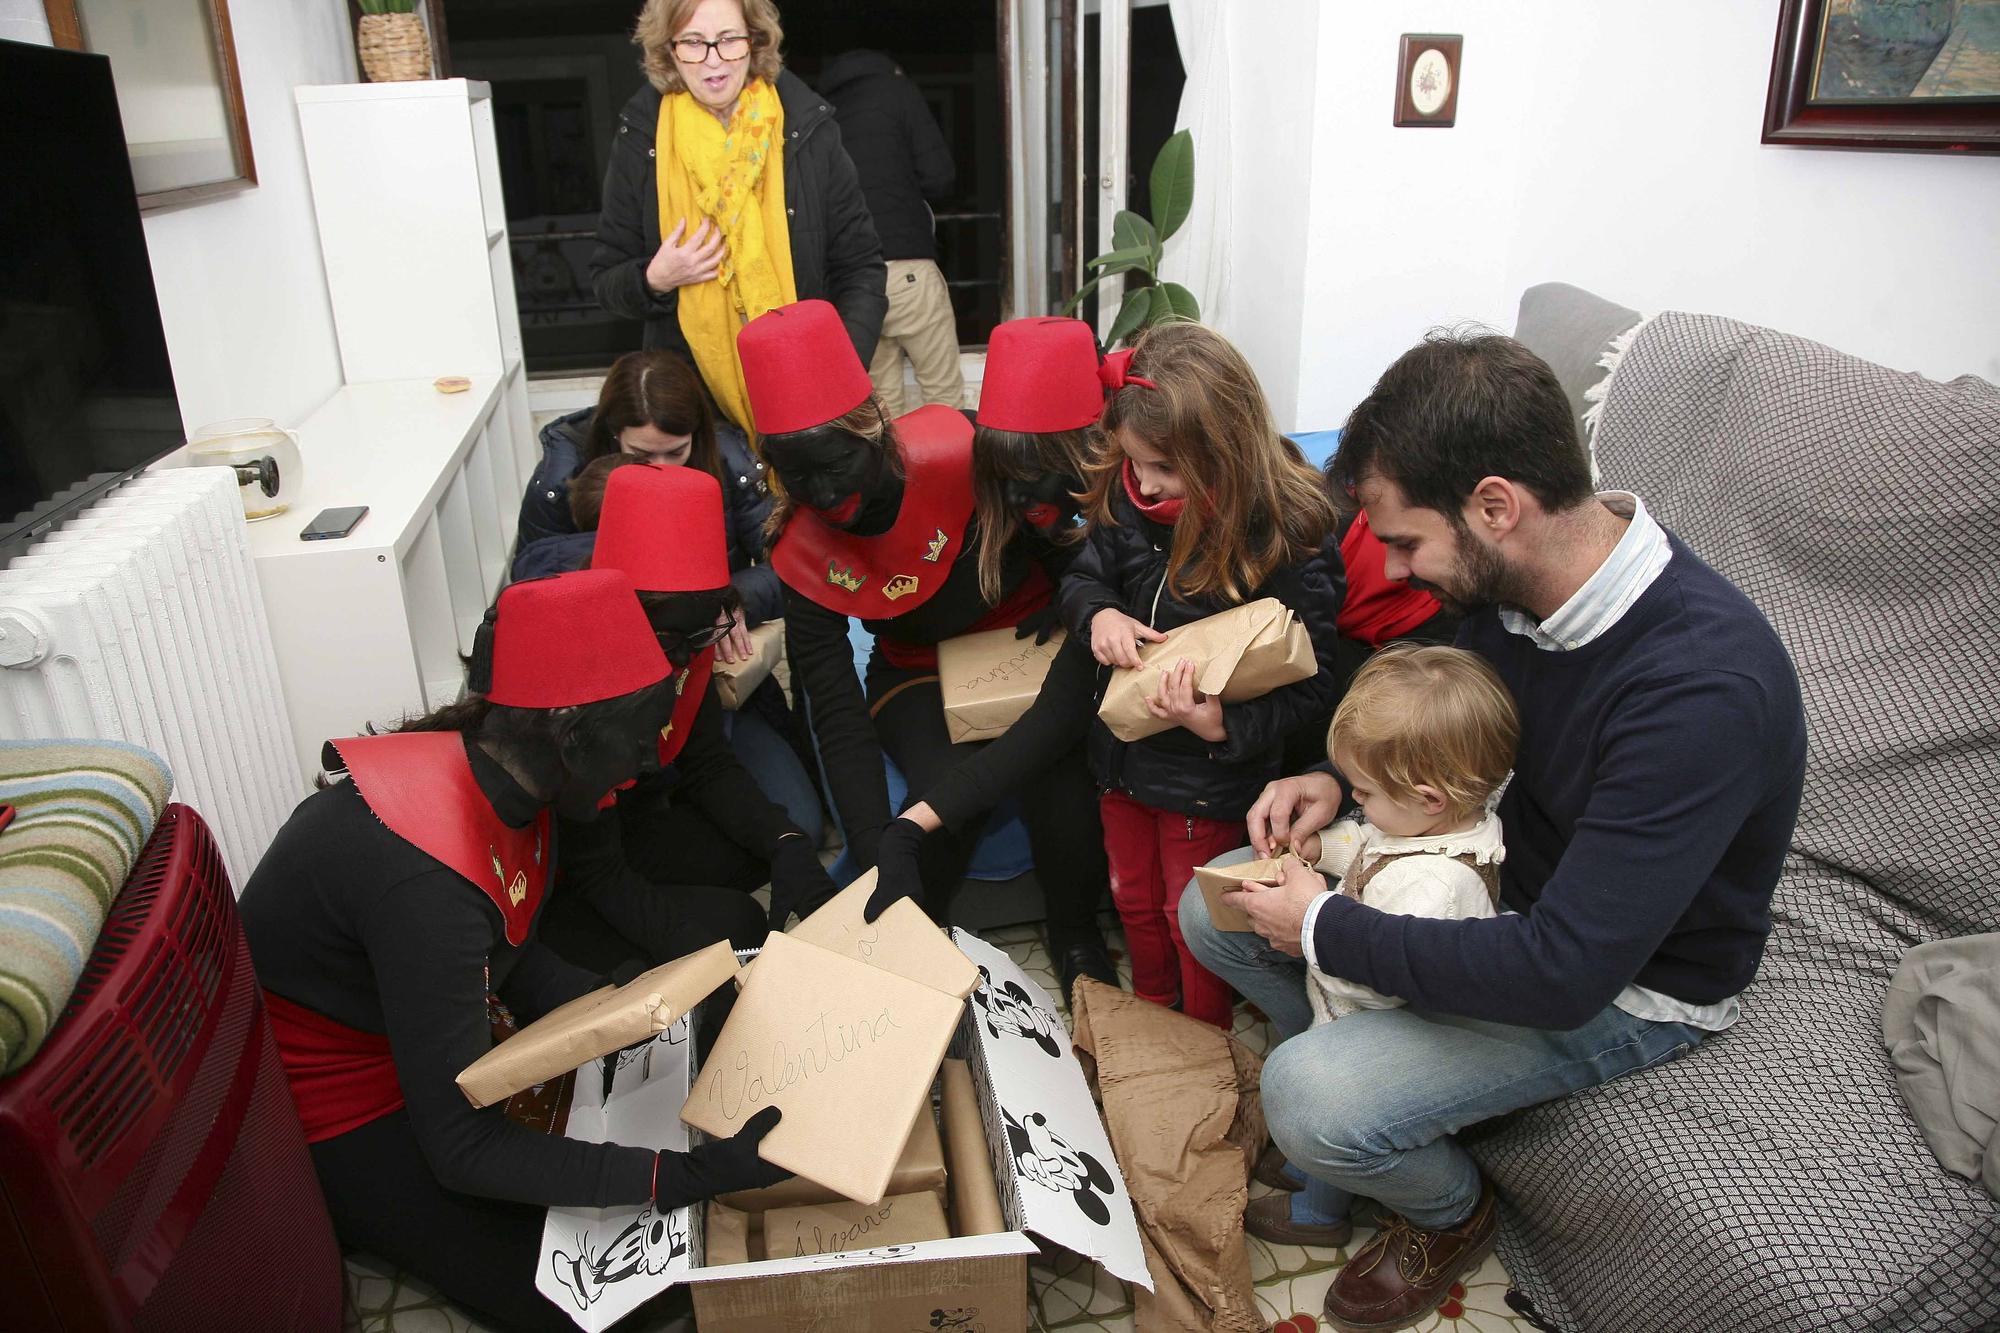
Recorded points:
(1429, 715)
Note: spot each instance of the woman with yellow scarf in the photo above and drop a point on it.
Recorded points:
(729, 194)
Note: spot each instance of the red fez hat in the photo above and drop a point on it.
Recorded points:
(800, 368)
(566, 640)
(1041, 375)
(663, 527)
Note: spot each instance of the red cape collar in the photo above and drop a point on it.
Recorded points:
(420, 785)
(881, 577)
(689, 687)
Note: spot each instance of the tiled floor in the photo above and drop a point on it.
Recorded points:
(1068, 1293)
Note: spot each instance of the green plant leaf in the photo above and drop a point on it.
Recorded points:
(1161, 309)
(1138, 304)
(1070, 306)
(1129, 231)
(1180, 300)
(1172, 183)
(1118, 261)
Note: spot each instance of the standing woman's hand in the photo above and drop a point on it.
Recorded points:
(683, 262)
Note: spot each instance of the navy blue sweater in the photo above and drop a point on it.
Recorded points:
(1652, 804)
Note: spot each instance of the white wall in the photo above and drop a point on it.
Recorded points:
(242, 291)
(1615, 146)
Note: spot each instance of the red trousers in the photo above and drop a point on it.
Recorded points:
(1153, 854)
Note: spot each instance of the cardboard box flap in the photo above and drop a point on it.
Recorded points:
(839, 1046)
(902, 940)
(961, 1247)
(1065, 1175)
(596, 1024)
(600, 1264)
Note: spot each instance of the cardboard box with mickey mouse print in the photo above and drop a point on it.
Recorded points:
(1051, 1160)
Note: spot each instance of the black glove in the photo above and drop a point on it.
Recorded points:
(716, 1168)
(896, 868)
(1043, 624)
(799, 883)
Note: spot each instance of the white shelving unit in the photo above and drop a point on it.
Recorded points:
(413, 232)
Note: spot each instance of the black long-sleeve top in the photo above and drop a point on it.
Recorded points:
(707, 775)
(822, 660)
(349, 920)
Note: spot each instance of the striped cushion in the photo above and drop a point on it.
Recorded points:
(83, 812)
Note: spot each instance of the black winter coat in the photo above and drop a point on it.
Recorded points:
(835, 253)
(898, 150)
(1122, 567)
(546, 540)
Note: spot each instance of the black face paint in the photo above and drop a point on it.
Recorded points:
(829, 471)
(1044, 501)
(681, 620)
(609, 745)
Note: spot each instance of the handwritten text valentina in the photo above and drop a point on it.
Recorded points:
(739, 1086)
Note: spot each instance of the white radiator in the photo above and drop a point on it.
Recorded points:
(141, 620)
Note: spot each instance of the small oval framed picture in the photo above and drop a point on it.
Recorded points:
(1427, 79)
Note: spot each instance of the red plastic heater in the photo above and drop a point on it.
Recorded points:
(152, 1170)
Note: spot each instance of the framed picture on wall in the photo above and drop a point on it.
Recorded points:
(173, 63)
(1427, 79)
(1881, 74)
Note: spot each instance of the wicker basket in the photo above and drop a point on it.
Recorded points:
(393, 48)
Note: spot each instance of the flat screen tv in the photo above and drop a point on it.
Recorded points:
(86, 391)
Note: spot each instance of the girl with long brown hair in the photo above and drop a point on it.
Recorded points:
(1196, 504)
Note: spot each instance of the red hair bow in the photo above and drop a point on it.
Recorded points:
(1116, 372)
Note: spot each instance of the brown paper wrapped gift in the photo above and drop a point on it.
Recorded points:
(597, 1024)
(1240, 653)
(975, 1199)
(844, 1049)
(727, 1236)
(834, 1228)
(737, 681)
(921, 1169)
(989, 679)
(902, 940)
(1218, 880)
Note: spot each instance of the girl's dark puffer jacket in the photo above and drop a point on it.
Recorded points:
(1122, 567)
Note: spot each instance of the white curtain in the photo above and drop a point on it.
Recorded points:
(1198, 255)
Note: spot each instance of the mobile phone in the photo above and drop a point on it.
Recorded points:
(330, 523)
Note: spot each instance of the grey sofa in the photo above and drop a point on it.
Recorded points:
(1772, 1179)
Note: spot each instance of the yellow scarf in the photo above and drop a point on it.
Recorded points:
(734, 177)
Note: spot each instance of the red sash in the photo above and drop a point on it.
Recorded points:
(341, 1078)
(879, 578)
(421, 787)
(689, 687)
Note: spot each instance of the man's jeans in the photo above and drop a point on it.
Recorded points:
(1368, 1104)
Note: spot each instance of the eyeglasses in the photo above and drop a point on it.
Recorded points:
(708, 638)
(694, 50)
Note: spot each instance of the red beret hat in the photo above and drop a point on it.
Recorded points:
(800, 368)
(663, 527)
(1041, 376)
(570, 639)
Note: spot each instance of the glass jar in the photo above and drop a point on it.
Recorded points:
(264, 455)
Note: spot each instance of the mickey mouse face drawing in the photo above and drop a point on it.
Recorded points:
(1008, 1012)
(1045, 1157)
(649, 1243)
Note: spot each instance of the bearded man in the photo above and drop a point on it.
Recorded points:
(1653, 799)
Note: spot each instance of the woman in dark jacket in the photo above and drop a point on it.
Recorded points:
(392, 906)
(722, 58)
(652, 408)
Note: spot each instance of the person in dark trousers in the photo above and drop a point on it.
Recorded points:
(876, 523)
(391, 909)
(903, 162)
(1654, 795)
(748, 228)
(652, 409)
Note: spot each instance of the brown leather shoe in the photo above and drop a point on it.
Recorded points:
(1270, 1169)
(1405, 1272)
(1270, 1218)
